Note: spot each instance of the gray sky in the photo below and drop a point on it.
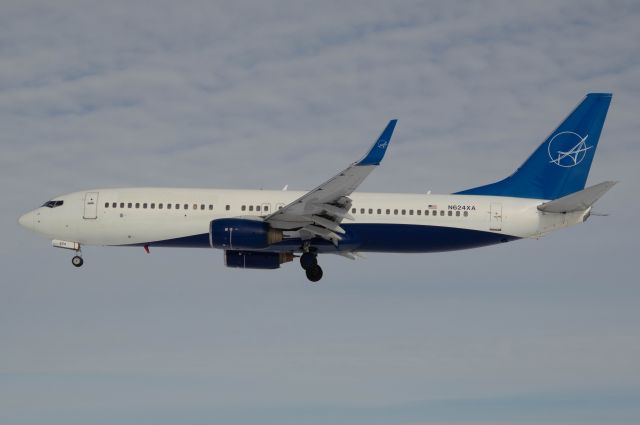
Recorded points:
(262, 94)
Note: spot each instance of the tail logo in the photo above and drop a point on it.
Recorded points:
(382, 143)
(567, 149)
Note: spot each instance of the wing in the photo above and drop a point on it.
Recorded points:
(320, 211)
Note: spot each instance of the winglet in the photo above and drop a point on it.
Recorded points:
(377, 151)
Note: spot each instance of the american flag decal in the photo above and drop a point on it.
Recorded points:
(433, 207)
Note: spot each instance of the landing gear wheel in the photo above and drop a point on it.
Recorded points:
(308, 260)
(314, 273)
(77, 261)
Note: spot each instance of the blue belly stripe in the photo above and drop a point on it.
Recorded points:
(374, 237)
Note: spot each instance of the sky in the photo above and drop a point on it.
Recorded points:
(247, 94)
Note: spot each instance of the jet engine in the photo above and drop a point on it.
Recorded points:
(239, 233)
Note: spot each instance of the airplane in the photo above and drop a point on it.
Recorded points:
(263, 229)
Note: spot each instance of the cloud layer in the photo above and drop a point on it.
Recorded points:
(263, 94)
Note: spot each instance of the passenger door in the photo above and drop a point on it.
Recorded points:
(91, 205)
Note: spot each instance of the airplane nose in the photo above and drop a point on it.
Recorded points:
(26, 220)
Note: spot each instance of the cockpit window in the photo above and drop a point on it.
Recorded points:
(52, 204)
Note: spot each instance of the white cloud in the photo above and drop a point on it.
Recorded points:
(242, 94)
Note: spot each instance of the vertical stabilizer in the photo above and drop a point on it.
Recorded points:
(561, 164)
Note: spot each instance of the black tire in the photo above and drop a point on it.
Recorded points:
(77, 261)
(314, 273)
(308, 260)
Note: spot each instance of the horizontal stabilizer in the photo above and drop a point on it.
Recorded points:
(578, 201)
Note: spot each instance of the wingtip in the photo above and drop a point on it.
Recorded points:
(379, 147)
(598, 94)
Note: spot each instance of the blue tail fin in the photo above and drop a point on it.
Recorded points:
(561, 164)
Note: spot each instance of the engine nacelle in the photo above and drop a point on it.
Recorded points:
(238, 233)
(256, 259)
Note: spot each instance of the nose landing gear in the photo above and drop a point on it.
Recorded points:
(77, 261)
(309, 262)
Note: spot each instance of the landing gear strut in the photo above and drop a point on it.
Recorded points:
(309, 262)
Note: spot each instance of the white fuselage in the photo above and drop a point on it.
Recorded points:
(135, 216)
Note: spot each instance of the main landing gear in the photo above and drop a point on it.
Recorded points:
(309, 262)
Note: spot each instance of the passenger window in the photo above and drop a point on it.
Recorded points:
(106, 205)
(244, 208)
(121, 204)
(379, 211)
(370, 210)
(177, 206)
(195, 206)
(457, 213)
(257, 207)
(361, 210)
(210, 207)
(466, 213)
(228, 207)
(410, 212)
(441, 212)
(388, 211)
(404, 212)
(266, 208)
(129, 205)
(202, 206)
(160, 206)
(449, 213)
(144, 205)
(186, 206)
(395, 212)
(137, 204)
(418, 212)
(153, 205)
(250, 207)
(353, 210)
(114, 205)
(169, 206)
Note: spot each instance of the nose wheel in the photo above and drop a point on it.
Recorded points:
(77, 261)
(309, 262)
